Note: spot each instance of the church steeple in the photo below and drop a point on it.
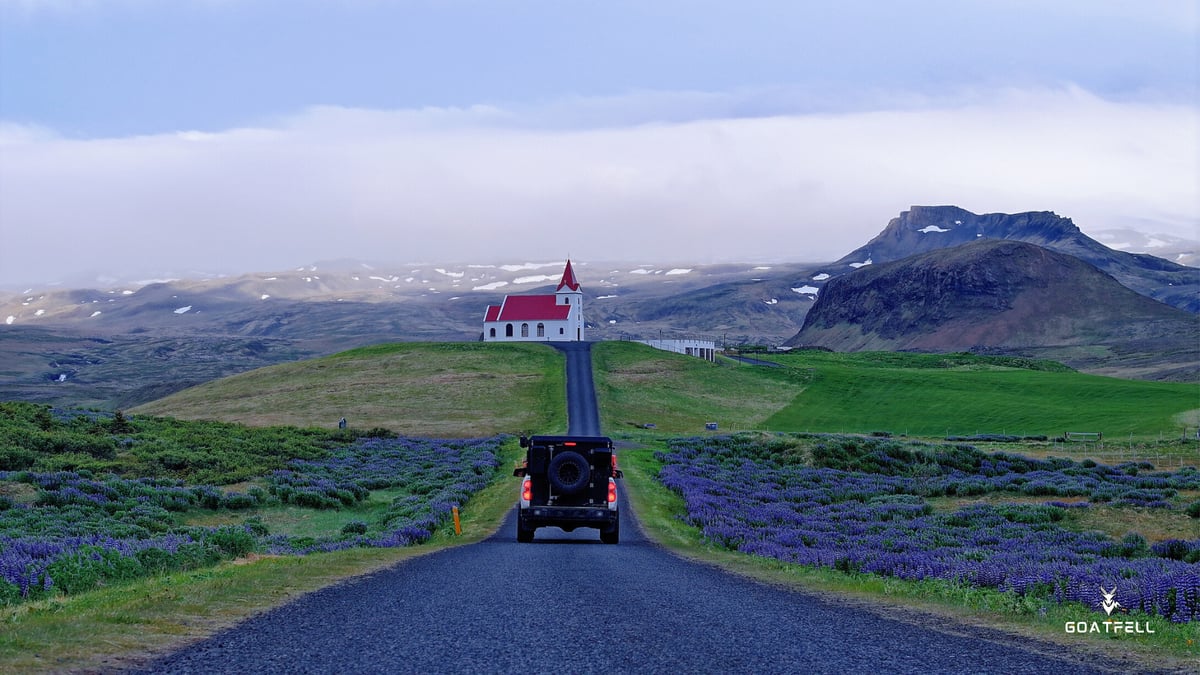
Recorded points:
(568, 279)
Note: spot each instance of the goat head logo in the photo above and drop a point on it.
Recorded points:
(1110, 600)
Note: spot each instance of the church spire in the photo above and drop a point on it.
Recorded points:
(568, 279)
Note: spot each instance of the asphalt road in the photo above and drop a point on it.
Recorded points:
(568, 604)
(583, 416)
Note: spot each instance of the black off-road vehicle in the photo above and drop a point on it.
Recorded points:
(569, 482)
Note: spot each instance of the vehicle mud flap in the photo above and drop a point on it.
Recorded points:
(611, 535)
(568, 472)
(524, 534)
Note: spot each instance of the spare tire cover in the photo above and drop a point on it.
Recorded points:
(568, 472)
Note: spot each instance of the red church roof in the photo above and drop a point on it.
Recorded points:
(568, 279)
(528, 308)
(535, 307)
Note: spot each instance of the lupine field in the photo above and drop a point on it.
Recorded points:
(77, 510)
(863, 505)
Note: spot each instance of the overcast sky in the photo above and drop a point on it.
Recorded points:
(166, 137)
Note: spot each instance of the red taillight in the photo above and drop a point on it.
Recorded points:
(612, 491)
(614, 462)
(570, 444)
(527, 490)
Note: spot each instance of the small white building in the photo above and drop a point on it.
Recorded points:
(538, 318)
(705, 349)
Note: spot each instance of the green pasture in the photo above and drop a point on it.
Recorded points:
(438, 390)
(478, 389)
(940, 395)
(903, 394)
(638, 385)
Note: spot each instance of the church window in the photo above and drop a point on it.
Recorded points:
(492, 333)
(508, 330)
(541, 331)
(524, 330)
(560, 331)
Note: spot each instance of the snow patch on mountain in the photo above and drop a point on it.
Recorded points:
(537, 278)
(528, 266)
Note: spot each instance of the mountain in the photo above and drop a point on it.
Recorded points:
(928, 228)
(349, 301)
(1004, 296)
(119, 346)
(126, 343)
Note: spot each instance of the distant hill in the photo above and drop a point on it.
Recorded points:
(120, 346)
(127, 343)
(922, 229)
(1004, 296)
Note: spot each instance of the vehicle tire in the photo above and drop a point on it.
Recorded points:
(568, 472)
(611, 536)
(524, 534)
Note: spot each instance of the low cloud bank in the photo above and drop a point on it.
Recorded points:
(487, 184)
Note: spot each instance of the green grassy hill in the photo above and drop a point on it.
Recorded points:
(638, 385)
(476, 389)
(960, 394)
(914, 394)
(441, 390)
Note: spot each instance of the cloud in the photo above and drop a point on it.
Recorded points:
(487, 184)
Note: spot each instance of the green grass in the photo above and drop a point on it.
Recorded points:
(927, 395)
(637, 384)
(439, 390)
(1011, 619)
(930, 395)
(1154, 525)
(299, 521)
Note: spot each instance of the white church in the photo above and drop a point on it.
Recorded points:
(538, 318)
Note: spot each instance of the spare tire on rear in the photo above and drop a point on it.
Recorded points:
(568, 472)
